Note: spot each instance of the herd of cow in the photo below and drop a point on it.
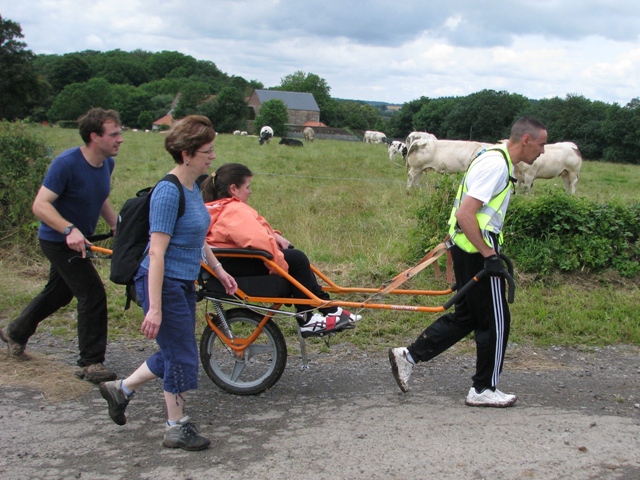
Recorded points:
(422, 151)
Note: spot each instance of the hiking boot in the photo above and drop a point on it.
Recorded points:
(319, 325)
(15, 349)
(96, 373)
(116, 398)
(489, 398)
(184, 435)
(401, 367)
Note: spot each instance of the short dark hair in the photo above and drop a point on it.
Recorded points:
(524, 126)
(93, 122)
(217, 185)
(187, 135)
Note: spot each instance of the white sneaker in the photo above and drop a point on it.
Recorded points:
(401, 367)
(489, 398)
(319, 325)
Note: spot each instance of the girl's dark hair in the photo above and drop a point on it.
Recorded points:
(217, 185)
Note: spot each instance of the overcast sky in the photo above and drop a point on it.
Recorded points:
(392, 51)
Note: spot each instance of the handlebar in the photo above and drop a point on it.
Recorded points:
(507, 274)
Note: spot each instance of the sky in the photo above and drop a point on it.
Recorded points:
(374, 50)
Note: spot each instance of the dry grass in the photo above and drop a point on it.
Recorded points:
(46, 374)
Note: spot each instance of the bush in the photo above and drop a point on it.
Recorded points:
(23, 162)
(549, 233)
(558, 232)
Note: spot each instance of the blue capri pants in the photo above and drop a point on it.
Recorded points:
(177, 361)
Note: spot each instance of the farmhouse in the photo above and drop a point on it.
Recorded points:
(301, 107)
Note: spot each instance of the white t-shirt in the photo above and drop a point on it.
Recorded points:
(487, 177)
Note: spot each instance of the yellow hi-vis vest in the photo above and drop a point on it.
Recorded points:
(491, 215)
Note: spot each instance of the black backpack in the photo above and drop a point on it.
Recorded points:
(132, 236)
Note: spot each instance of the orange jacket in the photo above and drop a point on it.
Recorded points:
(234, 224)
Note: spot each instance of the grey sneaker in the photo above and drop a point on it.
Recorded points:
(96, 373)
(184, 435)
(15, 349)
(401, 367)
(117, 400)
(489, 398)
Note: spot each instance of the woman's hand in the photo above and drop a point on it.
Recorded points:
(282, 242)
(227, 281)
(151, 324)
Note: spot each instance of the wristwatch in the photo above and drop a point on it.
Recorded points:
(67, 230)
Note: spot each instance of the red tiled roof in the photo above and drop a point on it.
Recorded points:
(313, 124)
(166, 120)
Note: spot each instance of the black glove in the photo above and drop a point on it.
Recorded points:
(493, 266)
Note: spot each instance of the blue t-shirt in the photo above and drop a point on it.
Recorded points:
(182, 258)
(82, 190)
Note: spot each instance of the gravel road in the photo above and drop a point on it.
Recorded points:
(577, 417)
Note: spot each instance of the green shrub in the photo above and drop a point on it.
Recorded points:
(23, 163)
(549, 233)
(558, 232)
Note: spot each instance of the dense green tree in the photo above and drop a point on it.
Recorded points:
(485, 116)
(621, 131)
(401, 124)
(574, 119)
(431, 116)
(145, 120)
(308, 83)
(77, 98)
(68, 69)
(130, 102)
(192, 94)
(161, 64)
(273, 113)
(19, 86)
(228, 111)
(119, 67)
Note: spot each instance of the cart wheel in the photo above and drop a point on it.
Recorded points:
(263, 361)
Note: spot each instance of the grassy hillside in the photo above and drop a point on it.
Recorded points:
(346, 205)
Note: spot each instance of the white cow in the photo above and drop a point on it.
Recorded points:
(413, 136)
(397, 148)
(443, 156)
(559, 159)
(371, 136)
(308, 134)
(236, 132)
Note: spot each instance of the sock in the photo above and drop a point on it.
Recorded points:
(126, 391)
(410, 358)
(171, 423)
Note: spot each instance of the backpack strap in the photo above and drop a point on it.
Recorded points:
(170, 177)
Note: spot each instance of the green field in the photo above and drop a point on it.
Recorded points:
(346, 206)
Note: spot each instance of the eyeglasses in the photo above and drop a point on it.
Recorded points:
(208, 152)
(115, 134)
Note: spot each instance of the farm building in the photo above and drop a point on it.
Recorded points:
(301, 107)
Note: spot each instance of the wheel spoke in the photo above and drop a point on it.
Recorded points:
(238, 367)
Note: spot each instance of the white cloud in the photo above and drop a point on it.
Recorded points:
(376, 50)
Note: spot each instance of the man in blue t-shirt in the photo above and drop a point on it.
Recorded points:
(72, 198)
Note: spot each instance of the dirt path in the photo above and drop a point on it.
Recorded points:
(577, 417)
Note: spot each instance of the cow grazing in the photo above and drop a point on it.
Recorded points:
(266, 133)
(559, 159)
(236, 132)
(397, 148)
(309, 134)
(371, 136)
(290, 142)
(443, 156)
(244, 133)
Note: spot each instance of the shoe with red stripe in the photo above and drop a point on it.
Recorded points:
(319, 325)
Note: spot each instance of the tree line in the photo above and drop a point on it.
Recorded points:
(144, 86)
